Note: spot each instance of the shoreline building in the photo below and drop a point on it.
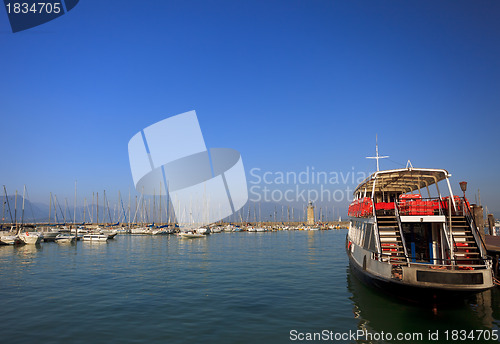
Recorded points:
(310, 213)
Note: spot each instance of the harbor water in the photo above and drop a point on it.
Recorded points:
(270, 287)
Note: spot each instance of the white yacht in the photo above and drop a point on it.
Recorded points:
(95, 237)
(64, 238)
(31, 238)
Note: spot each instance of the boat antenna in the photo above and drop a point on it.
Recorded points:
(377, 157)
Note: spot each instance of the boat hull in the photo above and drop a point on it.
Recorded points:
(31, 238)
(408, 292)
(64, 239)
(95, 237)
(191, 235)
(10, 240)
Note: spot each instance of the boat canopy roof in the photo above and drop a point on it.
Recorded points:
(402, 180)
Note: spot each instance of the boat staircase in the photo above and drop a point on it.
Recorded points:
(465, 248)
(391, 243)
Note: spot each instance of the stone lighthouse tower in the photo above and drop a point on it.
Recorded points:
(310, 213)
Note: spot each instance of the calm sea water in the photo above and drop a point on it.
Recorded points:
(225, 288)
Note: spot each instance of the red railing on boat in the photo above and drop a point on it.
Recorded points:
(408, 205)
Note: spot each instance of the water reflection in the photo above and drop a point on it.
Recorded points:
(6, 250)
(28, 253)
(311, 245)
(376, 313)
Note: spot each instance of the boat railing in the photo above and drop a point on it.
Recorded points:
(474, 228)
(415, 205)
(449, 266)
(362, 207)
(377, 236)
(400, 228)
(434, 263)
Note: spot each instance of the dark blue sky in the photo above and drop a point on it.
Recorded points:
(289, 84)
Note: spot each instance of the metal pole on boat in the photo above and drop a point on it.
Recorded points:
(452, 254)
(8, 204)
(22, 214)
(377, 157)
(74, 217)
(160, 205)
(3, 211)
(55, 208)
(15, 210)
(50, 206)
(451, 194)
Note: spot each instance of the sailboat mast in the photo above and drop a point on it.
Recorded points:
(129, 207)
(55, 208)
(50, 206)
(74, 209)
(22, 214)
(8, 203)
(3, 211)
(15, 209)
(160, 204)
(97, 208)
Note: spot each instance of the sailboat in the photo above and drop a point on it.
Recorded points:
(28, 237)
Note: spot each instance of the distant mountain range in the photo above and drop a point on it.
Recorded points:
(39, 212)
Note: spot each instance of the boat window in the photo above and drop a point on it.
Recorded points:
(368, 236)
(371, 246)
(362, 238)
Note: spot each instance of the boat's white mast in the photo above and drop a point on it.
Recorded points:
(160, 210)
(377, 157)
(74, 208)
(55, 208)
(50, 206)
(22, 214)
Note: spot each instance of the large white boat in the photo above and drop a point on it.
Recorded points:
(31, 238)
(413, 246)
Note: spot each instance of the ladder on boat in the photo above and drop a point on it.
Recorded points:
(465, 248)
(391, 243)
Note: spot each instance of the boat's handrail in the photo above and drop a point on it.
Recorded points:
(449, 236)
(472, 225)
(476, 266)
(381, 256)
(400, 228)
(379, 246)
